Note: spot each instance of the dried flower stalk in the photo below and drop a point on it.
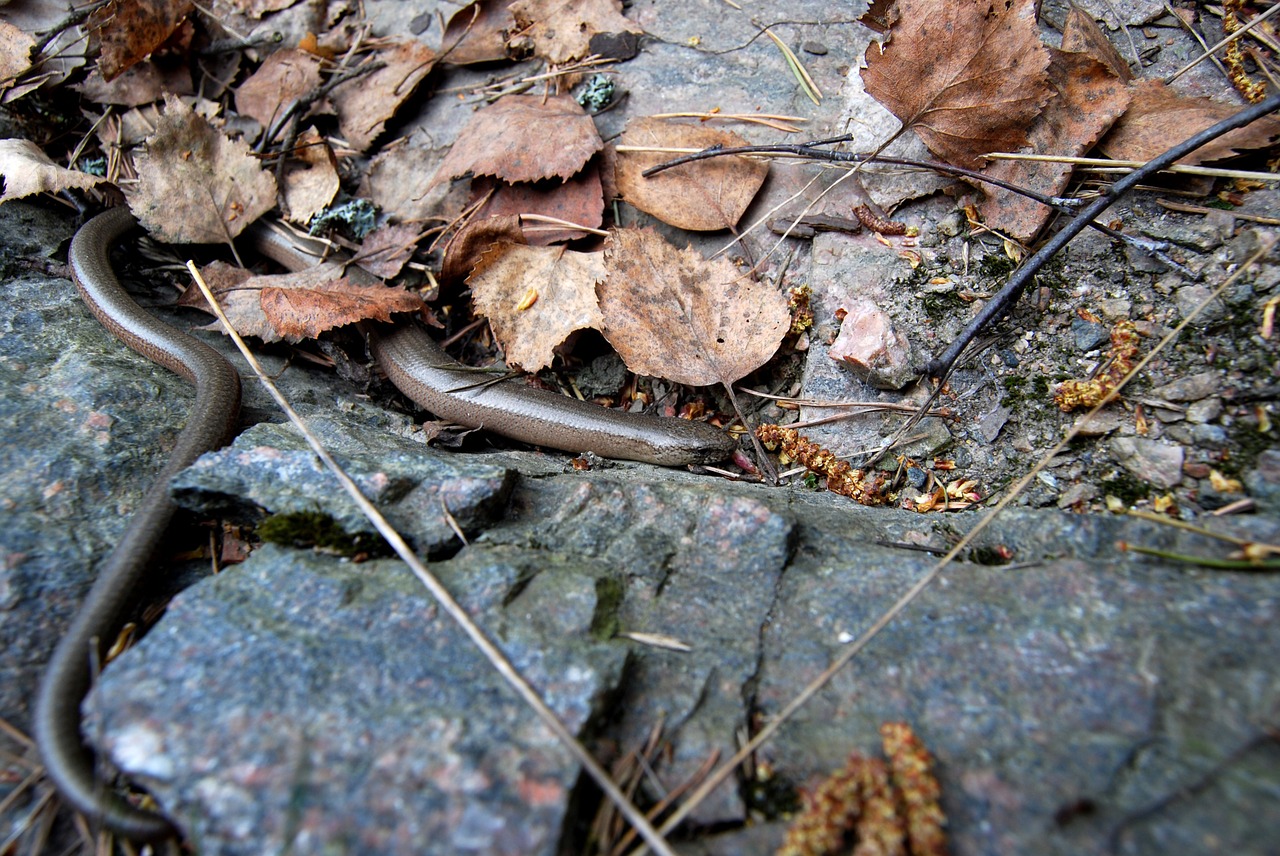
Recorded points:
(843, 479)
(1072, 394)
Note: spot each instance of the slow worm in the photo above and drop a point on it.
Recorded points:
(425, 373)
(413, 362)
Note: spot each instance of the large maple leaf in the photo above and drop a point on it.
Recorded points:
(967, 76)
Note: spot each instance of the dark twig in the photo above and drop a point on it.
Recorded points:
(300, 105)
(73, 19)
(1012, 290)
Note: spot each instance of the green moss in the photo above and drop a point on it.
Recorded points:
(996, 265)
(941, 304)
(1128, 489)
(773, 797)
(314, 529)
(1015, 390)
(610, 593)
(1247, 442)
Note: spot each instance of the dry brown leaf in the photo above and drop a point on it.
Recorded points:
(27, 170)
(130, 30)
(296, 306)
(1089, 100)
(367, 102)
(63, 50)
(471, 241)
(1158, 117)
(15, 53)
(1081, 34)
(478, 33)
(304, 313)
(967, 77)
(578, 200)
(561, 30)
(535, 297)
(701, 196)
(671, 313)
(523, 138)
(310, 179)
(880, 16)
(385, 250)
(140, 84)
(239, 300)
(284, 76)
(196, 186)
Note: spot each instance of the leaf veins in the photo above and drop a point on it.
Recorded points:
(968, 76)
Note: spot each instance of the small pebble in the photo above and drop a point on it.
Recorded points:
(815, 48)
(1088, 335)
(1205, 410)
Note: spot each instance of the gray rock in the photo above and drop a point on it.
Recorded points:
(1150, 460)
(1088, 335)
(1191, 388)
(1209, 436)
(1120, 685)
(1193, 234)
(990, 424)
(418, 488)
(1263, 481)
(301, 702)
(1204, 410)
(1190, 297)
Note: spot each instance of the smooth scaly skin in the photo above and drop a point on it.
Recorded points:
(413, 362)
(211, 423)
(425, 373)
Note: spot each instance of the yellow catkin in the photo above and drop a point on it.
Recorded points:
(1233, 57)
(911, 768)
(868, 489)
(1073, 394)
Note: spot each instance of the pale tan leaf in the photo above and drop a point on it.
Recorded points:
(968, 76)
(702, 196)
(561, 30)
(27, 170)
(310, 179)
(196, 186)
(671, 313)
(535, 297)
(523, 138)
(15, 53)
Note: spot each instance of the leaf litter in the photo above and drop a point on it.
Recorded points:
(997, 82)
